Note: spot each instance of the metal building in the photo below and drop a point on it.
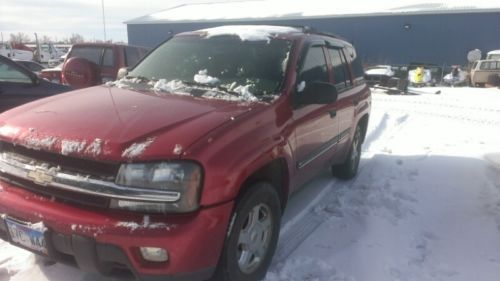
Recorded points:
(384, 32)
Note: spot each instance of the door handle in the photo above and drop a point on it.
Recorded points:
(333, 113)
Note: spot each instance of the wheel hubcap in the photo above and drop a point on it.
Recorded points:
(355, 150)
(254, 238)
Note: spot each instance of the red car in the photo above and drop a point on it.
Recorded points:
(90, 64)
(181, 169)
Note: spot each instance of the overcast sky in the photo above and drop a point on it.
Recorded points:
(58, 19)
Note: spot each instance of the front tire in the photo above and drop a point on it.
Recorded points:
(253, 236)
(349, 168)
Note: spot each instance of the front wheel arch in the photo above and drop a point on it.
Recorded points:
(229, 267)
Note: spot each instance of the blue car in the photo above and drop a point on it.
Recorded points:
(19, 85)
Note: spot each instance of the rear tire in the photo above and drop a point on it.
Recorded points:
(253, 236)
(349, 168)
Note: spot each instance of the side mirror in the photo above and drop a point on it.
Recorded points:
(317, 93)
(122, 72)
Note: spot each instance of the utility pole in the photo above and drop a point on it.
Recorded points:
(103, 20)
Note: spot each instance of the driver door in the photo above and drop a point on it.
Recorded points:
(16, 86)
(316, 125)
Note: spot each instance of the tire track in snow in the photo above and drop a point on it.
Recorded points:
(297, 230)
(294, 232)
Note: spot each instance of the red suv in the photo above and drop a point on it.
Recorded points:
(181, 169)
(90, 64)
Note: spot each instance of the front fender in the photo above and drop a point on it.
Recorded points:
(232, 154)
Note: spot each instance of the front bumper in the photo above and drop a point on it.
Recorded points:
(107, 242)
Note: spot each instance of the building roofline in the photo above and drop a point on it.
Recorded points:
(137, 21)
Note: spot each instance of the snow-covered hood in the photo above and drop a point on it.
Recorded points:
(116, 124)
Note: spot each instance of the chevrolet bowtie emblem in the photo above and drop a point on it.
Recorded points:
(40, 176)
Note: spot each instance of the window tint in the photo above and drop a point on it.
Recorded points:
(354, 59)
(132, 56)
(314, 66)
(10, 74)
(92, 54)
(108, 58)
(340, 69)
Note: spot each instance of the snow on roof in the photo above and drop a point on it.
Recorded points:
(296, 9)
(249, 32)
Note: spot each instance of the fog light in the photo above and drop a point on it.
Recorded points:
(154, 254)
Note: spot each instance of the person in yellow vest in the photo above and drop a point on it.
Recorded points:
(419, 75)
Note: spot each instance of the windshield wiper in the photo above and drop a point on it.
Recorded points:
(210, 87)
(227, 90)
(139, 77)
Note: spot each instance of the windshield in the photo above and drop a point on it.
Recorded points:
(245, 68)
(493, 57)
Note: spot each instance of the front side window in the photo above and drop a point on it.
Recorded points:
(314, 66)
(226, 63)
(9, 73)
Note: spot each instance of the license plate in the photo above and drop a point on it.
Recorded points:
(30, 236)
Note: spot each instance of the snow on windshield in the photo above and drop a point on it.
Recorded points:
(203, 78)
(210, 86)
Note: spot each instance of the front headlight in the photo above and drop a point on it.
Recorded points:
(179, 177)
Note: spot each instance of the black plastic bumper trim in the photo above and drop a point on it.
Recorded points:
(105, 259)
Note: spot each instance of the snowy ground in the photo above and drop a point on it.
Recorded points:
(425, 205)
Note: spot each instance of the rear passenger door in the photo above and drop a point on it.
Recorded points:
(348, 94)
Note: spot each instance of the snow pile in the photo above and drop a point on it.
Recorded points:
(173, 86)
(249, 32)
(125, 82)
(203, 78)
(245, 93)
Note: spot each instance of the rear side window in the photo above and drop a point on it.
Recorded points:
(357, 66)
(340, 69)
(89, 53)
(489, 65)
(132, 56)
(314, 66)
(108, 59)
